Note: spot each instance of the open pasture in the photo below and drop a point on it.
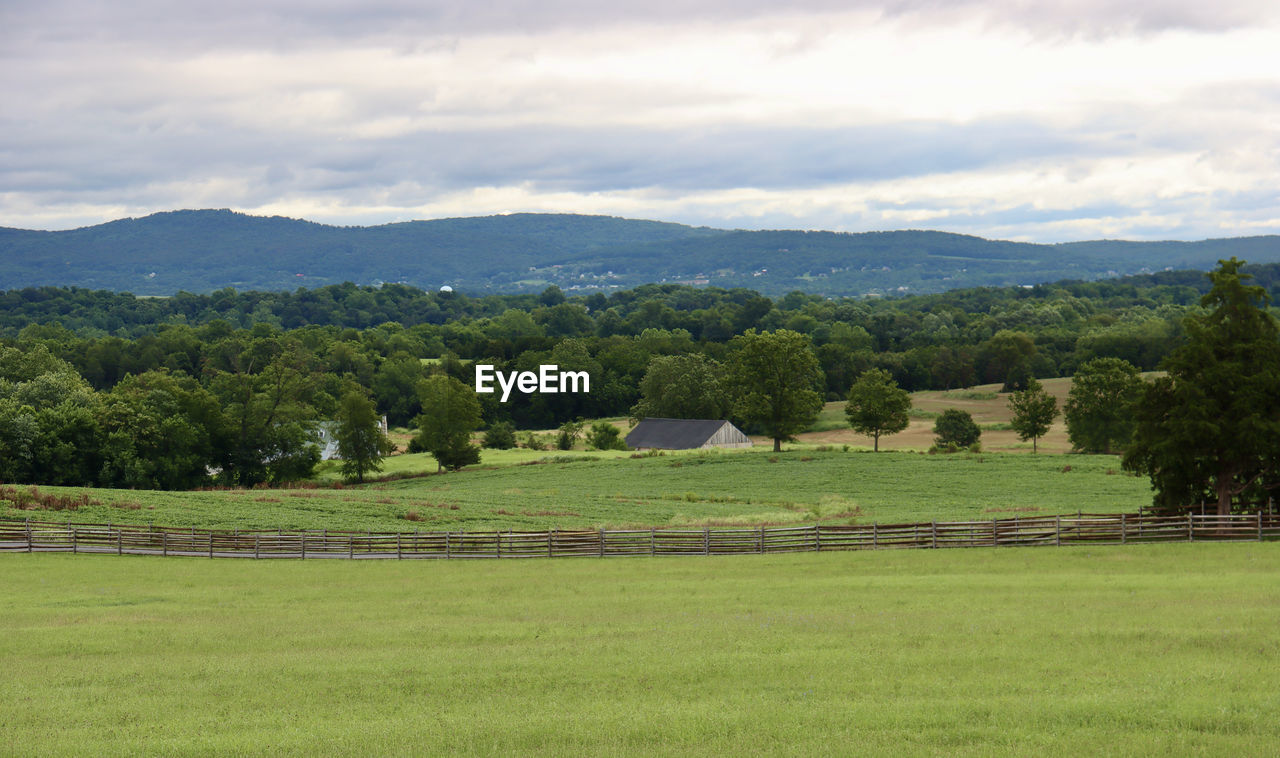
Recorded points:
(752, 487)
(1073, 651)
(988, 406)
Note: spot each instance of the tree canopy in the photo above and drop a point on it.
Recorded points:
(1034, 410)
(877, 405)
(361, 442)
(1099, 409)
(955, 429)
(774, 377)
(450, 413)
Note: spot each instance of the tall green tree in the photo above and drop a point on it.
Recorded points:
(682, 386)
(160, 432)
(1209, 430)
(450, 413)
(1099, 409)
(270, 422)
(775, 379)
(877, 405)
(1034, 410)
(361, 442)
(1007, 358)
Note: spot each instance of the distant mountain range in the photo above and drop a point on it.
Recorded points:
(205, 250)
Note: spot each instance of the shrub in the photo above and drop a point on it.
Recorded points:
(605, 436)
(955, 430)
(500, 436)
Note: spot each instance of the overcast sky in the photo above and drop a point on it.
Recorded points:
(1041, 120)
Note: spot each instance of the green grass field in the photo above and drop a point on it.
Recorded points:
(1138, 650)
(568, 490)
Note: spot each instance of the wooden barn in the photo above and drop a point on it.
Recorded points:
(685, 434)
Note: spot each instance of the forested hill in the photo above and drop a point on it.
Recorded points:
(203, 251)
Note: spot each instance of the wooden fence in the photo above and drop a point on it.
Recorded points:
(1092, 529)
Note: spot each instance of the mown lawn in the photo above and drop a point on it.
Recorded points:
(720, 488)
(1158, 649)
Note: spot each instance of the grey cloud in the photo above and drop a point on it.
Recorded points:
(289, 23)
(550, 159)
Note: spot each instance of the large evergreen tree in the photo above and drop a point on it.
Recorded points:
(1209, 430)
(361, 442)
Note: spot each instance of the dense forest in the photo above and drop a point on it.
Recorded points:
(207, 250)
(239, 380)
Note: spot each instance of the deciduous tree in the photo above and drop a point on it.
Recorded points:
(877, 405)
(774, 379)
(450, 413)
(955, 429)
(682, 386)
(1034, 410)
(1099, 409)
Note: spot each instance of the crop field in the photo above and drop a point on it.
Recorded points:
(1073, 651)
(568, 490)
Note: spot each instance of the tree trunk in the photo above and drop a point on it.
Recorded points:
(777, 444)
(876, 446)
(1224, 496)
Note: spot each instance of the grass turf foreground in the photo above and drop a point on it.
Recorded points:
(1071, 651)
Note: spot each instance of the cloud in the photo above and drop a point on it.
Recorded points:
(283, 24)
(999, 118)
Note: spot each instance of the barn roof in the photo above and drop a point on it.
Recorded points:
(674, 433)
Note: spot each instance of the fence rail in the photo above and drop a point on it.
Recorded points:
(68, 537)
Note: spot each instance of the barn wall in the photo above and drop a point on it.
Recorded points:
(728, 436)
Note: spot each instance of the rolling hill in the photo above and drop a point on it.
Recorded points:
(205, 250)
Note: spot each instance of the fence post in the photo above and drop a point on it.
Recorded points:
(760, 543)
(1190, 526)
(995, 532)
(817, 538)
(706, 540)
(164, 543)
(875, 536)
(1057, 530)
(351, 546)
(1123, 522)
(304, 545)
(549, 542)
(1259, 525)
(601, 532)
(446, 545)
(119, 542)
(933, 528)
(210, 543)
(653, 541)
(399, 555)
(257, 545)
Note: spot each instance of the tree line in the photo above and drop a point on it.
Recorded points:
(186, 405)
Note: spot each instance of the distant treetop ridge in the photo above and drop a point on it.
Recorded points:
(201, 251)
